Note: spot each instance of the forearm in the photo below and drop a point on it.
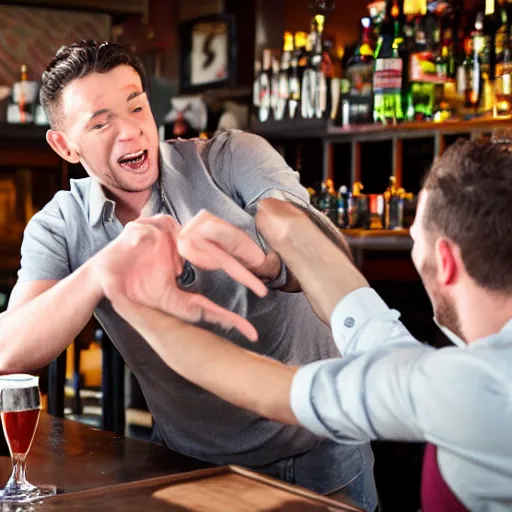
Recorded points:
(326, 274)
(33, 334)
(240, 377)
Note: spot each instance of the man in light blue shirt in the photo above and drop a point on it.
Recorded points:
(387, 385)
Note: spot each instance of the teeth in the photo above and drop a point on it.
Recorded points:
(132, 156)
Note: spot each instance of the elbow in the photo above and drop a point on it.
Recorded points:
(10, 360)
(6, 364)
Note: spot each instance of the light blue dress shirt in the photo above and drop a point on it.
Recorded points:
(390, 386)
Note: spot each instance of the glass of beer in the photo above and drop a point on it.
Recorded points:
(20, 405)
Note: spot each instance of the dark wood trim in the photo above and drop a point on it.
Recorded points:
(74, 497)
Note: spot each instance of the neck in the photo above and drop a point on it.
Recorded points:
(129, 205)
(483, 313)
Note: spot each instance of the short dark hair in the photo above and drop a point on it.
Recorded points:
(470, 202)
(79, 60)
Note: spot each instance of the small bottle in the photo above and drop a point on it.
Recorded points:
(394, 206)
(343, 207)
(265, 90)
(22, 100)
(256, 90)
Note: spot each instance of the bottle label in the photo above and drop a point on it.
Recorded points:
(388, 75)
(360, 77)
(506, 84)
(461, 80)
(265, 100)
(423, 69)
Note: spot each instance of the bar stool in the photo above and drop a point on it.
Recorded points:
(112, 385)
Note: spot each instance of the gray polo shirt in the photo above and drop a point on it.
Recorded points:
(226, 175)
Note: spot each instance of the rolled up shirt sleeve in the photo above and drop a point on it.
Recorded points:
(390, 386)
(247, 168)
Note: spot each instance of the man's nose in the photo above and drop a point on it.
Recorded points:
(129, 129)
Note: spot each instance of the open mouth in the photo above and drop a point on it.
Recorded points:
(135, 160)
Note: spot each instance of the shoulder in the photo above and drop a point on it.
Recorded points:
(221, 143)
(470, 386)
(64, 207)
(239, 140)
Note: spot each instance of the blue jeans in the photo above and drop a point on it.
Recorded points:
(331, 468)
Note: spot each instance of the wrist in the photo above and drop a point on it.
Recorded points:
(89, 273)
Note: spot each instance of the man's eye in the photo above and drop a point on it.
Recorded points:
(98, 126)
(138, 109)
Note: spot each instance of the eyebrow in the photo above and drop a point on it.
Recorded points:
(99, 112)
(102, 111)
(133, 95)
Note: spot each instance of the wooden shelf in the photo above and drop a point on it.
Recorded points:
(375, 233)
(23, 132)
(325, 129)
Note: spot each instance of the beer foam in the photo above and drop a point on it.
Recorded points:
(18, 381)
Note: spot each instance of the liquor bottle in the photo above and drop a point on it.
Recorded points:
(359, 73)
(501, 39)
(23, 99)
(303, 54)
(504, 72)
(314, 88)
(274, 87)
(265, 90)
(415, 7)
(388, 71)
(393, 206)
(422, 72)
(445, 60)
(284, 77)
(317, 61)
(256, 87)
(328, 202)
(466, 87)
(343, 207)
(294, 84)
(22, 102)
(359, 215)
(475, 83)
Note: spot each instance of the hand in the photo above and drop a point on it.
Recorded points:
(211, 243)
(143, 264)
(324, 272)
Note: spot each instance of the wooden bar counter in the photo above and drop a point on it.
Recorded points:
(97, 470)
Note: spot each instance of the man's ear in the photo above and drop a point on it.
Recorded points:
(448, 262)
(59, 142)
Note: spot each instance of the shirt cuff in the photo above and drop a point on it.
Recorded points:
(352, 313)
(280, 280)
(300, 399)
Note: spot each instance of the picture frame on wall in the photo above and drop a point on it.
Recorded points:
(208, 53)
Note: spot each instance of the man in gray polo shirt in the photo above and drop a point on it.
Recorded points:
(95, 100)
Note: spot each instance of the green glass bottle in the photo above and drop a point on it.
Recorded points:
(389, 68)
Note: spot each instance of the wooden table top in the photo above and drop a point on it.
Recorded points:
(97, 470)
(74, 457)
(224, 489)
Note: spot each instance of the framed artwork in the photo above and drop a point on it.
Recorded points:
(208, 53)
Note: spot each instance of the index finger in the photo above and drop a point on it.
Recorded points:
(227, 237)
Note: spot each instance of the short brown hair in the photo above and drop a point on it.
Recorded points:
(470, 202)
(79, 60)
